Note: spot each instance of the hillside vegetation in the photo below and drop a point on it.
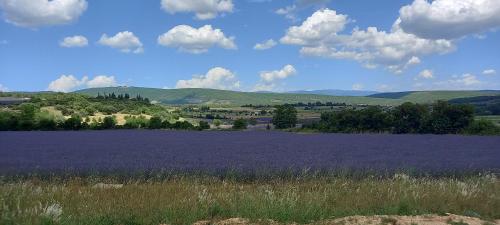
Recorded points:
(223, 97)
(432, 96)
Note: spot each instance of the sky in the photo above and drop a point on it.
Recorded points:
(250, 45)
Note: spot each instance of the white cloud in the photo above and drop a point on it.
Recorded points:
(203, 9)
(269, 79)
(489, 72)
(101, 81)
(67, 83)
(396, 50)
(464, 82)
(196, 41)
(3, 88)
(270, 76)
(125, 41)
(265, 45)
(4, 42)
(323, 25)
(449, 19)
(425, 74)
(38, 13)
(216, 78)
(358, 87)
(74, 42)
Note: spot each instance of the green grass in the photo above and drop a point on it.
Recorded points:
(222, 97)
(494, 119)
(184, 199)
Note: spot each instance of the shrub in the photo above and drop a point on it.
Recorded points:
(203, 125)
(240, 124)
(8, 120)
(482, 127)
(155, 123)
(73, 123)
(108, 122)
(184, 125)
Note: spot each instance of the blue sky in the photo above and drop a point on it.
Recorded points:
(316, 44)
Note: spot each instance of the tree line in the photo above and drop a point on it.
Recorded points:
(408, 118)
(29, 116)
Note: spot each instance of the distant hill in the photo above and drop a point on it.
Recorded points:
(432, 96)
(223, 97)
(335, 92)
(484, 105)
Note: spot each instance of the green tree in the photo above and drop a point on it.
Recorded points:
(8, 121)
(450, 119)
(482, 127)
(27, 117)
(108, 122)
(410, 118)
(73, 123)
(240, 124)
(155, 123)
(203, 125)
(373, 119)
(217, 122)
(285, 116)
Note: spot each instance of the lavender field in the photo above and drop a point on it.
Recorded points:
(120, 150)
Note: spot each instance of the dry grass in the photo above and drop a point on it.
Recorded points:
(186, 200)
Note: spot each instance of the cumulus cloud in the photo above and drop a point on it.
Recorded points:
(396, 50)
(203, 9)
(464, 82)
(358, 87)
(215, 78)
(489, 72)
(3, 88)
(39, 13)
(269, 79)
(321, 26)
(265, 45)
(426, 74)
(74, 42)
(270, 76)
(101, 81)
(124, 41)
(196, 41)
(449, 19)
(67, 83)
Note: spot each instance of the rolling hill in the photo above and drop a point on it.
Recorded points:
(223, 97)
(432, 96)
(335, 92)
(235, 98)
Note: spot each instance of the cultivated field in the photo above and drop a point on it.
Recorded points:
(128, 151)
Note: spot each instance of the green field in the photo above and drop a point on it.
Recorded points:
(494, 119)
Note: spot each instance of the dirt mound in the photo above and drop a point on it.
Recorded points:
(449, 219)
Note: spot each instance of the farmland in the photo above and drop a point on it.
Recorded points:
(118, 158)
(173, 177)
(129, 151)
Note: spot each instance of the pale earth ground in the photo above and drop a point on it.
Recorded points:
(370, 220)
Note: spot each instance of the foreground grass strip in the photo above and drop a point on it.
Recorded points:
(186, 200)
